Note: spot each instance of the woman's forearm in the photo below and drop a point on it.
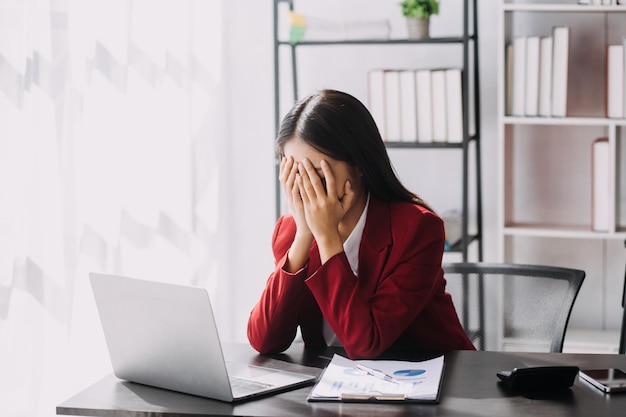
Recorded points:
(298, 253)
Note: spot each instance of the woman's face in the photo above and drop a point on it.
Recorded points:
(342, 171)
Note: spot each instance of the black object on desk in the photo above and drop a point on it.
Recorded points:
(607, 380)
(539, 378)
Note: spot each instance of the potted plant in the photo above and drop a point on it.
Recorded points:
(417, 13)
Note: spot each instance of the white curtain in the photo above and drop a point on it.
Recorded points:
(111, 150)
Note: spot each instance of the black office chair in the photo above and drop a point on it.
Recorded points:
(622, 336)
(514, 307)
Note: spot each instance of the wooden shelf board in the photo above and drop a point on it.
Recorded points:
(563, 121)
(560, 8)
(545, 230)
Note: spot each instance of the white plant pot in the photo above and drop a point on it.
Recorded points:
(418, 28)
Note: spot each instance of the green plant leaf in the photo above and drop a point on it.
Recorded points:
(421, 9)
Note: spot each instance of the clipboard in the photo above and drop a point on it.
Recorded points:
(405, 381)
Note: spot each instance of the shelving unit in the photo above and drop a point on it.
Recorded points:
(544, 163)
(470, 77)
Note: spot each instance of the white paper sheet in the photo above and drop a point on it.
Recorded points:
(416, 380)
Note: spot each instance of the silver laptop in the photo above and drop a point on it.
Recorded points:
(165, 335)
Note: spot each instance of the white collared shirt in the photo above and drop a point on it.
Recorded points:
(353, 242)
(351, 248)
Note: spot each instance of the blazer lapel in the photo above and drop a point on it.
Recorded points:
(375, 242)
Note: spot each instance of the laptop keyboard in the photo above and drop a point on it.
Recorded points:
(241, 386)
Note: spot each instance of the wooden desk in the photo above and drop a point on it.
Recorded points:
(470, 388)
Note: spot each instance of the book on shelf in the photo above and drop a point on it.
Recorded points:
(454, 105)
(508, 80)
(518, 105)
(545, 76)
(531, 100)
(423, 105)
(393, 121)
(560, 57)
(408, 106)
(376, 98)
(624, 77)
(601, 185)
(423, 91)
(537, 74)
(615, 81)
(439, 109)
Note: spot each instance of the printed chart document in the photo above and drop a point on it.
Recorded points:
(379, 381)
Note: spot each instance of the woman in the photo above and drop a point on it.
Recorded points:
(358, 259)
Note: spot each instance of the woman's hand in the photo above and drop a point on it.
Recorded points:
(287, 176)
(323, 209)
(299, 251)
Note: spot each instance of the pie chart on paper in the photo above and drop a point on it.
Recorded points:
(409, 373)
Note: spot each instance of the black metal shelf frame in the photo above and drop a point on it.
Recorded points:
(379, 42)
(469, 43)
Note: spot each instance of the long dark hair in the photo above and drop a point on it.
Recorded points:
(340, 126)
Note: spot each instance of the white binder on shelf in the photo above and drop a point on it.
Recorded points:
(423, 93)
(560, 58)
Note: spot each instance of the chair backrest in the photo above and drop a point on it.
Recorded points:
(514, 307)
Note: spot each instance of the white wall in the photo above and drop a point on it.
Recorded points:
(249, 63)
(250, 104)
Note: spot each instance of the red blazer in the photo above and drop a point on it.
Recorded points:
(398, 300)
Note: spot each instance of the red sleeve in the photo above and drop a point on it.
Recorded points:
(368, 322)
(274, 319)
